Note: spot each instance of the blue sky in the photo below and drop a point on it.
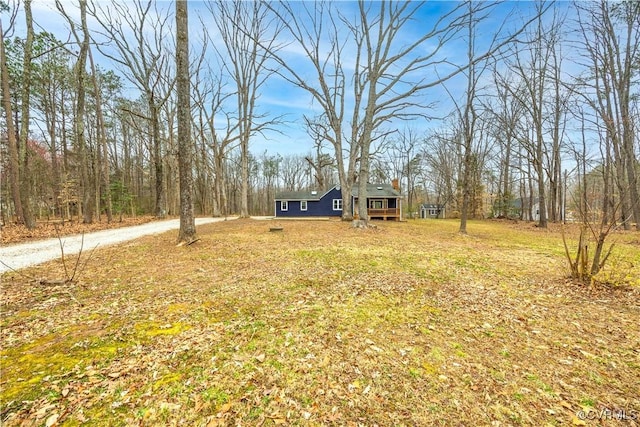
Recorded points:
(278, 97)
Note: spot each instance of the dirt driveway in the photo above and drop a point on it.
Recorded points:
(33, 253)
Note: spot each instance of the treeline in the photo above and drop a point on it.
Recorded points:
(542, 123)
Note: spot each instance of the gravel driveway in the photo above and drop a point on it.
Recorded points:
(28, 254)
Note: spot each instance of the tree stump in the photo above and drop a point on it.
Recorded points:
(358, 223)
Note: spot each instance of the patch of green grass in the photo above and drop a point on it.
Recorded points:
(216, 396)
(436, 354)
(415, 372)
(25, 366)
(254, 413)
(167, 379)
(587, 402)
(147, 329)
(540, 384)
(429, 368)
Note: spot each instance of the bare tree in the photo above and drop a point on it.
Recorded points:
(203, 165)
(314, 29)
(249, 38)
(388, 74)
(23, 143)
(187, 232)
(467, 112)
(144, 62)
(597, 219)
(443, 157)
(218, 130)
(270, 167)
(557, 114)
(102, 147)
(292, 171)
(52, 98)
(321, 163)
(404, 160)
(14, 159)
(534, 65)
(79, 125)
(506, 116)
(611, 38)
(468, 117)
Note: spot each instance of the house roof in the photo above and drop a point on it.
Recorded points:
(431, 206)
(373, 190)
(520, 202)
(378, 190)
(301, 195)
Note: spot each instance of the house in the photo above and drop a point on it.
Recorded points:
(431, 210)
(383, 202)
(520, 207)
(293, 204)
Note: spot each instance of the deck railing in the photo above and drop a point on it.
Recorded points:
(385, 213)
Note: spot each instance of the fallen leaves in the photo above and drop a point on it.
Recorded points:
(319, 325)
(52, 420)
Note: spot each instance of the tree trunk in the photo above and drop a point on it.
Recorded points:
(632, 179)
(346, 179)
(14, 164)
(531, 193)
(161, 199)
(79, 125)
(51, 117)
(102, 142)
(468, 125)
(187, 232)
(542, 197)
(25, 188)
(219, 192)
(505, 198)
(363, 179)
(244, 177)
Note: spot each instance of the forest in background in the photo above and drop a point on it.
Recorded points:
(543, 123)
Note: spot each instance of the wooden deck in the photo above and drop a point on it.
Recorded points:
(385, 214)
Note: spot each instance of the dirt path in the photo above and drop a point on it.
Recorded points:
(28, 254)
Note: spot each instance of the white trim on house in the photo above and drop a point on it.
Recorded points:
(431, 210)
(284, 205)
(337, 204)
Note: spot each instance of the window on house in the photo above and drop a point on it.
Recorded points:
(337, 204)
(284, 205)
(303, 205)
(375, 204)
(433, 212)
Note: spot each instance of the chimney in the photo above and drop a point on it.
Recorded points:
(394, 184)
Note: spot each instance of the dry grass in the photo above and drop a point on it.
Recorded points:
(320, 324)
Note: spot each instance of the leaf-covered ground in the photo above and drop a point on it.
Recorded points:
(321, 324)
(16, 233)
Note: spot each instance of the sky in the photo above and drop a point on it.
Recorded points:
(278, 98)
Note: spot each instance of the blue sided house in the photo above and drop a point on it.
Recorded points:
(383, 201)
